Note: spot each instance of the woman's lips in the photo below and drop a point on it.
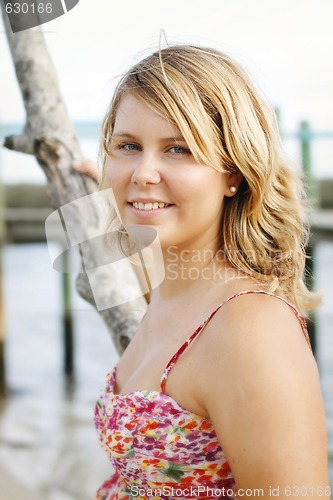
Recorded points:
(149, 212)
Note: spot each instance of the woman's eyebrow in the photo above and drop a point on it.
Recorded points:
(177, 139)
(163, 139)
(123, 134)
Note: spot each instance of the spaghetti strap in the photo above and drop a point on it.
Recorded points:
(200, 328)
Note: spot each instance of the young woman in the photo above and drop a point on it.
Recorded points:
(218, 394)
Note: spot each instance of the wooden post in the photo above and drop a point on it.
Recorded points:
(2, 335)
(309, 279)
(305, 147)
(305, 138)
(68, 335)
(278, 119)
(2, 321)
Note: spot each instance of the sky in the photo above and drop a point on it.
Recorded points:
(286, 46)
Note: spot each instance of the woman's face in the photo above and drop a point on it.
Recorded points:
(157, 182)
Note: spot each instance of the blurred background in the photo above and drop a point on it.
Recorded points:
(48, 446)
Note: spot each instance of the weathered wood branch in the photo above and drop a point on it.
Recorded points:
(50, 136)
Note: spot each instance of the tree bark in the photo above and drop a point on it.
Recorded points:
(50, 136)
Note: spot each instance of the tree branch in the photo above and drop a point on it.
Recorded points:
(50, 136)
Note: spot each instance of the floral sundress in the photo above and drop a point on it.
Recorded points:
(160, 450)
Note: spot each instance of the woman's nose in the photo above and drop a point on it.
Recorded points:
(146, 171)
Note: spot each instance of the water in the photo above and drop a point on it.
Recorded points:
(324, 283)
(48, 441)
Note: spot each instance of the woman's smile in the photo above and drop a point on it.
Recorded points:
(149, 208)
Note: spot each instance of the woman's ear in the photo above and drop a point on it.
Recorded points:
(233, 182)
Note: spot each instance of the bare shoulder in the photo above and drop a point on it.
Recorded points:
(255, 336)
(257, 322)
(261, 389)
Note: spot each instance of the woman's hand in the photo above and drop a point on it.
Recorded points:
(87, 167)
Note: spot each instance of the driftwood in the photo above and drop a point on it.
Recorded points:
(50, 136)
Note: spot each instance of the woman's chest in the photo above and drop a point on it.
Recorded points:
(152, 423)
(152, 441)
(145, 360)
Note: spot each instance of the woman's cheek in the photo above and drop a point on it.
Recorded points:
(111, 177)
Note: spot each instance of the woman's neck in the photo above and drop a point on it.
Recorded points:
(192, 271)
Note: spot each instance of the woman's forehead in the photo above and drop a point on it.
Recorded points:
(133, 112)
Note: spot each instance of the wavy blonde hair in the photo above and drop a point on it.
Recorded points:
(228, 125)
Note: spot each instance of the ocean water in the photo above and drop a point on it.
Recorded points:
(47, 438)
(48, 441)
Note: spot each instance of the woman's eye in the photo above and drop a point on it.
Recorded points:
(129, 147)
(179, 150)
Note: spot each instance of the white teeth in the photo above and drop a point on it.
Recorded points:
(149, 206)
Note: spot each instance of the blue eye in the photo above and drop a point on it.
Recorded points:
(179, 150)
(129, 147)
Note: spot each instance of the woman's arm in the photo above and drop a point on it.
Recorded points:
(267, 408)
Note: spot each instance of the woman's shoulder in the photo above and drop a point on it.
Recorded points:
(252, 328)
(252, 313)
(254, 342)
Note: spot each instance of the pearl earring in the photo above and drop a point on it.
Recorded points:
(233, 189)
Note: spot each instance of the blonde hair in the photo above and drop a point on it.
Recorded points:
(228, 125)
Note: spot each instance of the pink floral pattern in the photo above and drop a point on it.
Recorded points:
(154, 444)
